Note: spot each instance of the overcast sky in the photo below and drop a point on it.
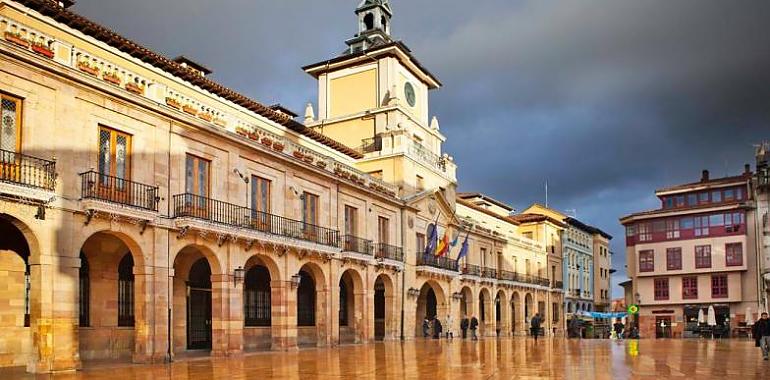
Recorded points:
(606, 100)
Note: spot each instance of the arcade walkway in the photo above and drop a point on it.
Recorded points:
(516, 358)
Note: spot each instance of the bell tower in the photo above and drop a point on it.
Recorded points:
(373, 25)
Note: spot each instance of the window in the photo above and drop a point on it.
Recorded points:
(114, 160)
(674, 258)
(197, 176)
(689, 288)
(256, 297)
(701, 225)
(420, 183)
(703, 256)
(343, 310)
(739, 193)
(420, 241)
(383, 230)
(310, 209)
(260, 194)
(305, 300)
(84, 292)
(716, 196)
(729, 195)
(733, 222)
(679, 201)
(692, 199)
(126, 291)
(527, 235)
(719, 286)
(646, 261)
(668, 202)
(716, 220)
(661, 289)
(351, 220)
(376, 174)
(555, 313)
(672, 229)
(483, 253)
(645, 232)
(630, 231)
(703, 197)
(10, 134)
(734, 254)
(686, 223)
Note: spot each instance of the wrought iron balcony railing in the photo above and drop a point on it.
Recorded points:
(505, 275)
(558, 284)
(370, 145)
(356, 244)
(470, 270)
(120, 191)
(387, 251)
(488, 273)
(425, 155)
(210, 210)
(25, 170)
(437, 262)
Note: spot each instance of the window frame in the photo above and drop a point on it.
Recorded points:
(257, 307)
(194, 187)
(661, 289)
(730, 255)
(689, 287)
(703, 253)
(719, 283)
(113, 169)
(383, 229)
(260, 201)
(676, 263)
(126, 292)
(647, 260)
(19, 117)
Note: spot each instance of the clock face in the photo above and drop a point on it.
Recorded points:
(411, 98)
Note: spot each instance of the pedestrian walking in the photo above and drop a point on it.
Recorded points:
(449, 327)
(574, 327)
(618, 327)
(464, 323)
(425, 328)
(437, 328)
(474, 325)
(761, 334)
(534, 325)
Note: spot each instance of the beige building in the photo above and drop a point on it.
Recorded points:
(148, 213)
(696, 251)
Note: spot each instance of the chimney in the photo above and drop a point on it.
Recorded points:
(747, 169)
(705, 176)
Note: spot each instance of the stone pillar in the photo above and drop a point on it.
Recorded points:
(143, 314)
(220, 314)
(283, 305)
(161, 308)
(364, 312)
(234, 323)
(54, 314)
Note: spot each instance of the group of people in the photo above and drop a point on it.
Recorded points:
(432, 327)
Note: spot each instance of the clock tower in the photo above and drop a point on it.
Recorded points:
(374, 98)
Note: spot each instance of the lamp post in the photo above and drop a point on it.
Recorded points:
(295, 281)
(238, 276)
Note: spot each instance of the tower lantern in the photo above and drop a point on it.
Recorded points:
(373, 25)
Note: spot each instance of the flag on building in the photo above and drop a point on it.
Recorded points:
(443, 245)
(464, 248)
(430, 246)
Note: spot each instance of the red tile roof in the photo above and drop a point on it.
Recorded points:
(52, 9)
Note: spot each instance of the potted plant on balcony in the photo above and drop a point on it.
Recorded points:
(111, 77)
(298, 154)
(321, 164)
(190, 109)
(308, 159)
(242, 131)
(88, 67)
(206, 116)
(173, 103)
(220, 122)
(16, 38)
(135, 88)
(253, 136)
(42, 49)
(266, 141)
(278, 146)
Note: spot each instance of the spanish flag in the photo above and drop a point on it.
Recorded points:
(443, 245)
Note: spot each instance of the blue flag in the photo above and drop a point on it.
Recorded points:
(430, 247)
(464, 249)
(456, 240)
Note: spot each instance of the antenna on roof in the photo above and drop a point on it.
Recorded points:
(546, 193)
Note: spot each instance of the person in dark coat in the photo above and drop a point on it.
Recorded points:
(618, 327)
(761, 333)
(437, 328)
(474, 326)
(534, 325)
(464, 323)
(574, 327)
(425, 328)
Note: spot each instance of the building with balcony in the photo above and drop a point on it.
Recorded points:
(696, 251)
(602, 270)
(149, 214)
(762, 191)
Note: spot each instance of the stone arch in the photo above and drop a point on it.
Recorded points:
(112, 298)
(385, 316)
(369, 21)
(21, 284)
(431, 303)
(516, 313)
(501, 313)
(197, 305)
(486, 313)
(261, 273)
(467, 302)
(350, 307)
(529, 307)
(311, 306)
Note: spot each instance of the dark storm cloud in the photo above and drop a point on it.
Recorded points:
(604, 99)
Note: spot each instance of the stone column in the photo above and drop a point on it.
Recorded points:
(220, 314)
(363, 313)
(234, 323)
(283, 305)
(143, 314)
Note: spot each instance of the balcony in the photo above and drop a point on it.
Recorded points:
(371, 145)
(558, 285)
(356, 244)
(29, 176)
(437, 262)
(470, 270)
(194, 207)
(387, 251)
(118, 191)
(427, 157)
(488, 273)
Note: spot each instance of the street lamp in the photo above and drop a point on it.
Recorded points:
(238, 275)
(295, 280)
(413, 292)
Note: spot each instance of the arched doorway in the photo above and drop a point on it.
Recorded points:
(194, 316)
(466, 302)
(257, 307)
(430, 305)
(485, 312)
(528, 307)
(15, 315)
(311, 322)
(515, 302)
(500, 319)
(350, 307)
(385, 324)
(108, 300)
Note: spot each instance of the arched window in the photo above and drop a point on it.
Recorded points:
(84, 292)
(126, 291)
(384, 22)
(482, 307)
(256, 297)
(369, 21)
(305, 300)
(343, 304)
(431, 304)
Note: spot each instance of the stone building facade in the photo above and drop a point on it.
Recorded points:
(148, 213)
